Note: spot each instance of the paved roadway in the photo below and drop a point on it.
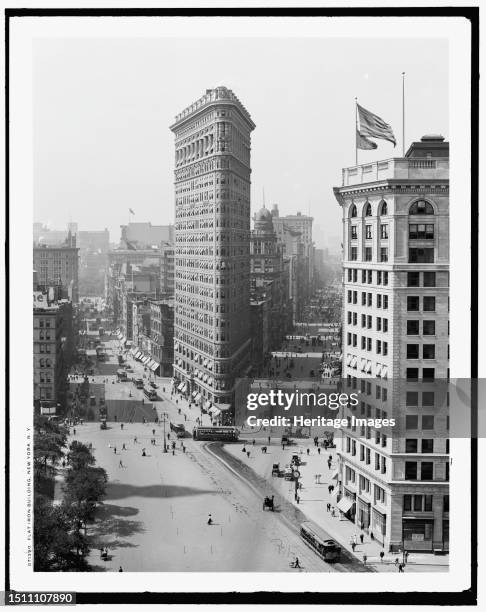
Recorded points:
(154, 517)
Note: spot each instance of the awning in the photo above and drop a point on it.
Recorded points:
(368, 367)
(207, 404)
(354, 362)
(180, 386)
(184, 387)
(334, 492)
(223, 407)
(197, 397)
(378, 370)
(154, 366)
(349, 358)
(384, 372)
(205, 377)
(146, 360)
(335, 475)
(133, 350)
(345, 504)
(205, 363)
(214, 411)
(194, 393)
(363, 364)
(138, 354)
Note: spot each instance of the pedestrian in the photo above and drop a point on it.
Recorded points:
(114, 449)
(248, 454)
(283, 446)
(329, 489)
(121, 426)
(353, 545)
(120, 464)
(355, 539)
(183, 449)
(297, 498)
(143, 453)
(396, 561)
(365, 558)
(400, 568)
(361, 537)
(153, 432)
(406, 556)
(382, 554)
(329, 507)
(173, 452)
(121, 569)
(74, 432)
(253, 442)
(269, 439)
(135, 439)
(308, 451)
(318, 450)
(124, 447)
(372, 535)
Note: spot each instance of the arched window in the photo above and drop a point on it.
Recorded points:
(353, 212)
(368, 210)
(421, 207)
(384, 208)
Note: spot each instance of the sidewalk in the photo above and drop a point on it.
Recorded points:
(315, 497)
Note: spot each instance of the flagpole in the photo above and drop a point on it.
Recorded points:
(403, 114)
(356, 131)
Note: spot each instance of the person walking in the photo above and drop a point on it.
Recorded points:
(318, 450)
(382, 555)
(406, 556)
(124, 447)
(114, 449)
(353, 546)
(400, 568)
(120, 464)
(361, 537)
(248, 454)
(308, 451)
(365, 558)
(355, 539)
(120, 569)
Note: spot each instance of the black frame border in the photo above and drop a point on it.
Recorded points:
(466, 597)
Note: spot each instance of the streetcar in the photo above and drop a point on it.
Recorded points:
(318, 540)
(225, 434)
(150, 393)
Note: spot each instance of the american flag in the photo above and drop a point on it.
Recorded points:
(374, 126)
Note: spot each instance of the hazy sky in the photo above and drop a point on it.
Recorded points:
(102, 110)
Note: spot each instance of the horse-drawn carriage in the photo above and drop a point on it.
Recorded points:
(268, 503)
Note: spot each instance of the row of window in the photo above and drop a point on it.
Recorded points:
(367, 299)
(368, 254)
(416, 231)
(413, 303)
(415, 255)
(413, 351)
(367, 321)
(420, 207)
(365, 455)
(367, 276)
(422, 470)
(379, 494)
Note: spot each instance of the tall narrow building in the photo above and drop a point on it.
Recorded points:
(212, 249)
(396, 346)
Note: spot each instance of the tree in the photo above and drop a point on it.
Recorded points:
(80, 456)
(57, 547)
(85, 484)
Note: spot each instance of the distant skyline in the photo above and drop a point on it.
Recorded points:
(102, 110)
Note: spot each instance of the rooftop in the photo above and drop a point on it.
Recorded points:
(217, 95)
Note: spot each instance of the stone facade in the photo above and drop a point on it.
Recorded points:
(396, 337)
(212, 240)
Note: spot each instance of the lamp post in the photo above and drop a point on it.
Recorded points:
(164, 415)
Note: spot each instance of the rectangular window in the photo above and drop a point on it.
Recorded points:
(413, 328)
(378, 277)
(407, 503)
(413, 303)
(428, 328)
(354, 232)
(427, 503)
(370, 277)
(429, 279)
(383, 254)
(378, 300)
(426, 470)
(349, 317)
(363, 276)
(385, 278)
(445, 503)
(368, 344)
(411, 445)
(412, 351)
(370, 321)
(363, 343)
(385, 348)
(412, 373)
(363, 320)
(378, 347)
(413, 279)
(428, 399)
(410, 470)
(417, 503)
(368, 233)
(385, 325)
(385, 302)
(428, 421)
(428, 373)
(350, 274)
(354, 253)
(428, 351)
(420, 255)
(363, 298)
(368, 254)
(378, 323)
(383, 231)
(355, 275)
(428, 445)
(370, 299)
(355, 318)
(412, 398)
(355, 297)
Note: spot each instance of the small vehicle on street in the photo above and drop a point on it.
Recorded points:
(276, 469)
(103, 424)
(296, 460)
(318, 540)
(138, 382)
(150, 393)
(178, 429)
(288, 473)
(121, 375)
(153, 385)
(268, 503)
(286, 440)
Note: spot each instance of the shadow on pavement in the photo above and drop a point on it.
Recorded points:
(120, 491)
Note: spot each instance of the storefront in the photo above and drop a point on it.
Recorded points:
(378, 525)
(347, 504)
(417, 533)
(364, 513)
